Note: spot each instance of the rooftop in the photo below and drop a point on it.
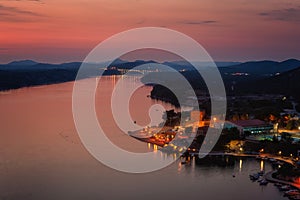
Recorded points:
(249, 123)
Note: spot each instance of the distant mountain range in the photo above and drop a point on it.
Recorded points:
(262, 68)
(254, 76)
(22, 63)
(251, 68)
(286, 83)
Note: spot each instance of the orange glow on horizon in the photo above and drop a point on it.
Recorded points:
(60, 30)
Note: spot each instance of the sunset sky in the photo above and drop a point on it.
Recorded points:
(57, 31)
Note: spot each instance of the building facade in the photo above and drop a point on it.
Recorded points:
(253, 126)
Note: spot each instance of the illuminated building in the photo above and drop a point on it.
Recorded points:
(253, 126)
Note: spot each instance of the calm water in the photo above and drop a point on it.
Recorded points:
(41, 156)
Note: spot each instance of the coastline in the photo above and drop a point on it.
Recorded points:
(269, 177)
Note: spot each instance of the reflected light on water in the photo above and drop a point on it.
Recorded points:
(155, 148)
(179, 167)
(175, 156)
(113, 81)
(193, 164)
(262, 165)
(241, 165)
(149, 146)
(162, 155)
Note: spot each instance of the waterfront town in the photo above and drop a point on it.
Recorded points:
(258, 132)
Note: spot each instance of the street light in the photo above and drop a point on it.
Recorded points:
(214, 119)
(261, 151)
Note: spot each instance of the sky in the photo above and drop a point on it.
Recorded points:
(56, 31)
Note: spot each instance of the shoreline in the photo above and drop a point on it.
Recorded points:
(222, 153)
(269, 177)
(147, 140)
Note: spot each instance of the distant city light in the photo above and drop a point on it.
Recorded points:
(262, 150)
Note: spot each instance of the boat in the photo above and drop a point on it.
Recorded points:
(254, 177)
(260, 179)
(261, 173)
(292, 193)
(264, 182)
(285, 188)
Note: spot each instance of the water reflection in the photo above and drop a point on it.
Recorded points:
(155, 148)
(241, 165)
(39, 163)
(262, 165)
(221, 161)
(179, 168)
(193, 164)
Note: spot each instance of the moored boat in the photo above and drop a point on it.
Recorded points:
(254, 177)
(292, 193)
(285, 188)
(264, 182)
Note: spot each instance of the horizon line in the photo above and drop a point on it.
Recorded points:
(146, 60)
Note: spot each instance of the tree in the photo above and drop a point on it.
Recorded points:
(232, 133)
(275, 139)
(287, 137)
(291, 125)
